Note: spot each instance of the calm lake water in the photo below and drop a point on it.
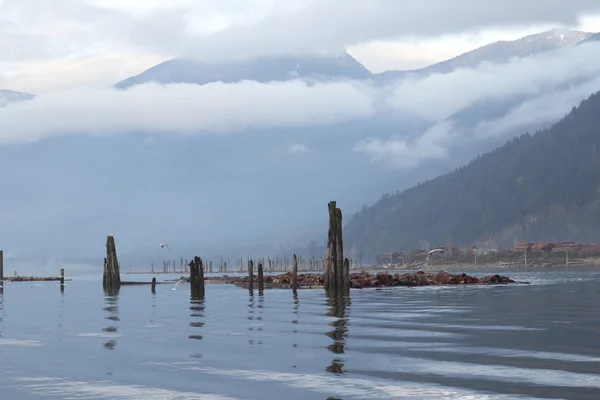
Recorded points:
(538, 341)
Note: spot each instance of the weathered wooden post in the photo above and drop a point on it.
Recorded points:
(294, 274)
(193, 279)
(196, 278)
(336, 277)
(346, 276)
(200, 278)
(261, 283)
(62, 279)
(250, 276)
(153, 285)
(1, 268)
(112, 277)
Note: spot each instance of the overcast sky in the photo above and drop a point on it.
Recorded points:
(70, 53)
(60, 44)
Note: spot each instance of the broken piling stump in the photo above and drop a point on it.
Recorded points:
(153, 289)
(261, 282)
(112, 277)
(294, 274)
(196, 278)
(251, 277)
(1, 268)
(336, 279)
(62, 279)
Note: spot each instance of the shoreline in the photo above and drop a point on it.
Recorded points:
(364, 279)
(34, 279)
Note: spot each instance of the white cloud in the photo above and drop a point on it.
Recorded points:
(344, 23)
(298, 148)
(403, 153)
(181, 108)
(553, 83)
(550, 83)
(131, 35)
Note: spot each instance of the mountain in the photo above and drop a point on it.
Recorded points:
(260, 69)
(330, 66)
(497, 52)
(540, 187)
(9, 96)
(594, 38)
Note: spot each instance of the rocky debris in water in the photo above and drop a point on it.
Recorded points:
(368, 280)
(32, 278)
(364, 279)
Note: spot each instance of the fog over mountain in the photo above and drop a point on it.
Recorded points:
(242, 156)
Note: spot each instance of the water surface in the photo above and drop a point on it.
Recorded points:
(538, 341)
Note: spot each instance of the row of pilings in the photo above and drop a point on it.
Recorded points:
(337, 267)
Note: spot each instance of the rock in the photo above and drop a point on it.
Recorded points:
(365, 279)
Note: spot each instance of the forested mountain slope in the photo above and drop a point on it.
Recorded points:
(540, 187)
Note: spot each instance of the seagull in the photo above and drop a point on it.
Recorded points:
(163, 245)
(175, 287)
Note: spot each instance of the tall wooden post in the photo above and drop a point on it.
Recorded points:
(336, 275)
(112, 277)
(346, 276)
(153, 285)
(294, 274)
(201, 278)
(250, 276)
(62, 279)
(1, 268)
(196, 278)
(261, 283)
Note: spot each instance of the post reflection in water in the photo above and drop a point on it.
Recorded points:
(111, 300)
(337, 308)
(255, 314)
(60, 314)
(295, 320)
(197, 307)
(1, 312)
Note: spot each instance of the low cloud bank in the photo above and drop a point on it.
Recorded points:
(538, 91)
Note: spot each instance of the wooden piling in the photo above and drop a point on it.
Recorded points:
(336, 277)
(261, 283)
(196, 278)
(1, 268)
(345, 276)
(112, 277)
(294, 274)
(250, 276)
(153, 285)
(62, 279)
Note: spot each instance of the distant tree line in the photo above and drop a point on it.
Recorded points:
(536, 187)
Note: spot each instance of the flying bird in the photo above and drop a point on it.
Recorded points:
(163, 245)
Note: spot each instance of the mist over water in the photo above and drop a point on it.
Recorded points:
(535, 341)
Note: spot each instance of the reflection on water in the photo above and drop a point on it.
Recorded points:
(112, 308)
(197, 307)
(255, 310)
(1, 313)
(538, 341)
(295, 320)
(60, 314)
(337, 308)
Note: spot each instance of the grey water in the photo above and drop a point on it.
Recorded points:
(538, 341)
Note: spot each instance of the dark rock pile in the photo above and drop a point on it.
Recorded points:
(368, 280)
(31, 278)
(364, 279)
